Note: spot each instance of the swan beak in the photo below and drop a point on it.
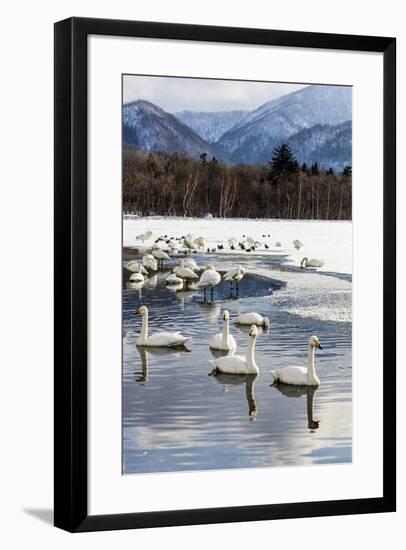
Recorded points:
(319, 346)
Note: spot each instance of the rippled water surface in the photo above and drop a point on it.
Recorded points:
(176, 417)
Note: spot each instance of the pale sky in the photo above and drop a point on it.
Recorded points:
(179, 94)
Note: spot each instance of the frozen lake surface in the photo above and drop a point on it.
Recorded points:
(176, 417)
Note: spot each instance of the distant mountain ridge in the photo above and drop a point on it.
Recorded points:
(149, 127)
(315, 121)
(210, 125)
(329, 146)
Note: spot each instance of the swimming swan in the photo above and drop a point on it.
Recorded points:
(137, 278)
(136, 267)
(159, 339)
(224, 341)
(185, 273)
(314, 262)
(252, 319)
(173, 279)
(300, 376)
(237, 364)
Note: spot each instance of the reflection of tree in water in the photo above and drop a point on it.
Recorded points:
(236, 379)
(298, 391)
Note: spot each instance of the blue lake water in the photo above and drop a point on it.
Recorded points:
(177, 418)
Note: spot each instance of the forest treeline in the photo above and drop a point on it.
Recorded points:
(172, 184)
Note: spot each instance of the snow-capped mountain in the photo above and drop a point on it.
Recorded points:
(211, 125)
(329, 146)
(149, 127)
(258, 132)
(315, 121)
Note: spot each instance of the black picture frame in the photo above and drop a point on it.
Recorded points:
(71, 384)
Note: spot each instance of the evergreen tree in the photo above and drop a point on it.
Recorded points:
(330, 172)
(315, 169)
(347, 171)
(282, 165)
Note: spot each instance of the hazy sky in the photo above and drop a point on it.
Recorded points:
(179, 94)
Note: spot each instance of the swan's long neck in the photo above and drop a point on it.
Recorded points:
(226, 332)
(311, 371)
(144, 328)
(252, 367)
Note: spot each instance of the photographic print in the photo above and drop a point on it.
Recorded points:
(237, 274)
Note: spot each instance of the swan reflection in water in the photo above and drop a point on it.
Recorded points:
(142, 376)
(211, 311)
(151, 282)
(237, 379)
(135, 286)
(183, 294)
(298, 391)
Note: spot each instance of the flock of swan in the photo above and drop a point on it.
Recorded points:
(231, 363)
(186, 275)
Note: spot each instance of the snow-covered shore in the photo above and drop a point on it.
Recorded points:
(324, 293)
(330, 241)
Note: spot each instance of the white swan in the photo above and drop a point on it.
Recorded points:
(297, 244)
(189, 243)
(252, 318)
(160, 254)
(237, 364)
(185, 273)
(191, 264)
(314, 262)
(144, 236)
(209, 279)
(149, 262)
(301, 376)
(136, 267)
(159, 339)
(173, 279)
(199, 241)
(224, 341)
(137, 278)
(234, 275)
